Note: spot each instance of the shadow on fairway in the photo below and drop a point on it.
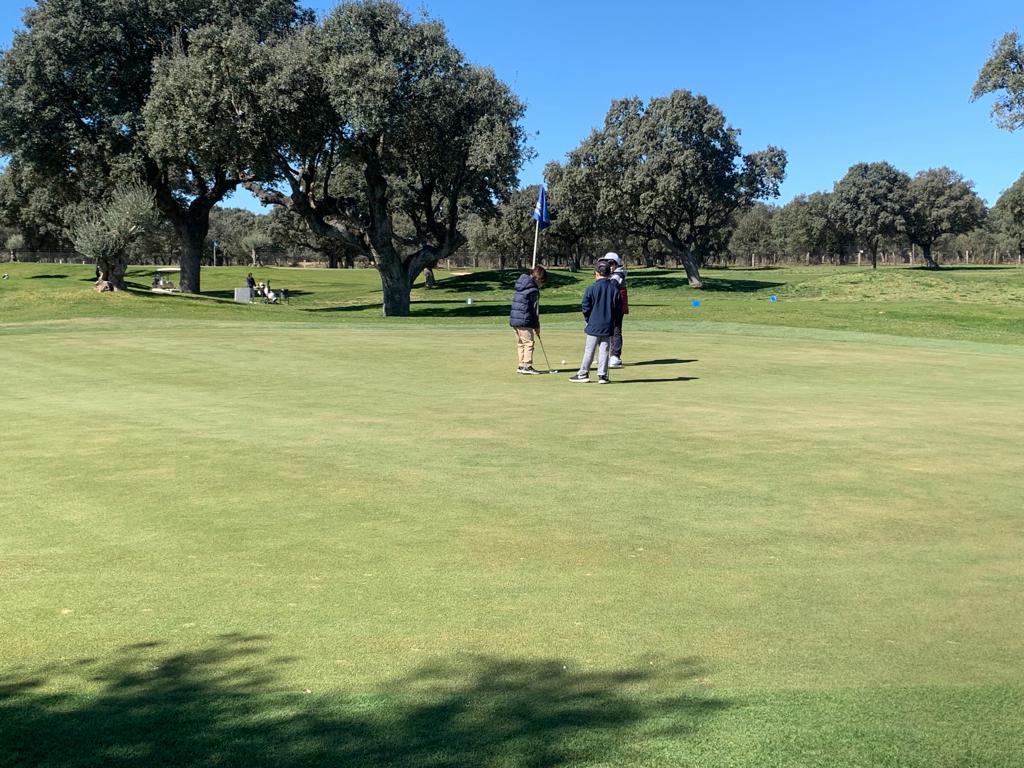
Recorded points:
(665, 361)
(962, 267)
(482, 282)
(50, 277)
(225, 705)
(346, 308)
(459, 308)
(655, 381)
(729, 285)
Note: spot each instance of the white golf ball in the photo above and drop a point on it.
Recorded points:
(563, 362)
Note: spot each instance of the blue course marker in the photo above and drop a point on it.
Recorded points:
(696, 302)
(773, 298)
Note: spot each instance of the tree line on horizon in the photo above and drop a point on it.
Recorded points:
(370, 137)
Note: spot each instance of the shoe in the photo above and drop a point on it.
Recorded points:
(529, 371)
(519, 369)
(580, 378)
(603, 380)
(615, 362)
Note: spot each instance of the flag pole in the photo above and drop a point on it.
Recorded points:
(536, 237)
(540, 215)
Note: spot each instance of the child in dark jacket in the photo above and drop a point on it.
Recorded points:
(602, 308)
(525, 316)
(618, 277)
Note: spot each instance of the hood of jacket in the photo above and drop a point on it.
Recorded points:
(525, 283)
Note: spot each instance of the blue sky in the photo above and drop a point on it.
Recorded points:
(831, 83)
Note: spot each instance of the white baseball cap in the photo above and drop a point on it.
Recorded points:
(610, 256)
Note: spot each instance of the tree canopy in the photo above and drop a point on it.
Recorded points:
(87, 98)
(941, 202)
(1003, 74)
(1009, 211)
(870, 203)
(383, 136)
(672, 170)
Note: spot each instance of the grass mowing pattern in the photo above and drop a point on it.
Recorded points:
(353, 542)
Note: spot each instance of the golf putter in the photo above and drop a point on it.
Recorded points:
(546, 361)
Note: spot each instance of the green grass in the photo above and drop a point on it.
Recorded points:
(303, 535)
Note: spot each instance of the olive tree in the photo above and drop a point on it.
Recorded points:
(107, 234)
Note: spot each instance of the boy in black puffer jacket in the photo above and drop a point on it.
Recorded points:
(525, 316)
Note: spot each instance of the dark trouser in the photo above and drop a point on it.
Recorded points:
(617, 341)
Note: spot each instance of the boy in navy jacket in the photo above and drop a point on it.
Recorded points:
(602, 308)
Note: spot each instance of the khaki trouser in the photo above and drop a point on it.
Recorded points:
(524, 346)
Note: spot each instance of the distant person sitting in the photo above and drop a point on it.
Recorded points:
(270, 296)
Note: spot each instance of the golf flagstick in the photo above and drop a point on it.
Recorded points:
(536, 238)
(543, 219)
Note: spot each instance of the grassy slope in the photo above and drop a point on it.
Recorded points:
(344, 541)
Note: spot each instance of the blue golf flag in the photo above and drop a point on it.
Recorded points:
(540, 211)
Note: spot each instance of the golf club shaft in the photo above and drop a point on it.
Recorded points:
(544, 351)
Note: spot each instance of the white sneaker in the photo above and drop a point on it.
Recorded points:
(615, 362)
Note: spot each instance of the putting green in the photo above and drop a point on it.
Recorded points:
(757, 546)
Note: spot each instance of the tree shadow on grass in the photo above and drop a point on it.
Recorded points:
(656, 381)
(954, 267)
(346, 307)
(729, 285)
(498, 280)
(51, 277)
(225, 705)
(658, 280)
(459, 308)
(665, 361)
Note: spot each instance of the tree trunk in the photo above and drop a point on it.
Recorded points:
(190, 235)
(692, 268)
(332, 261)
(397, 287)
(646, 250)
(112, 272)
(926, 252)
